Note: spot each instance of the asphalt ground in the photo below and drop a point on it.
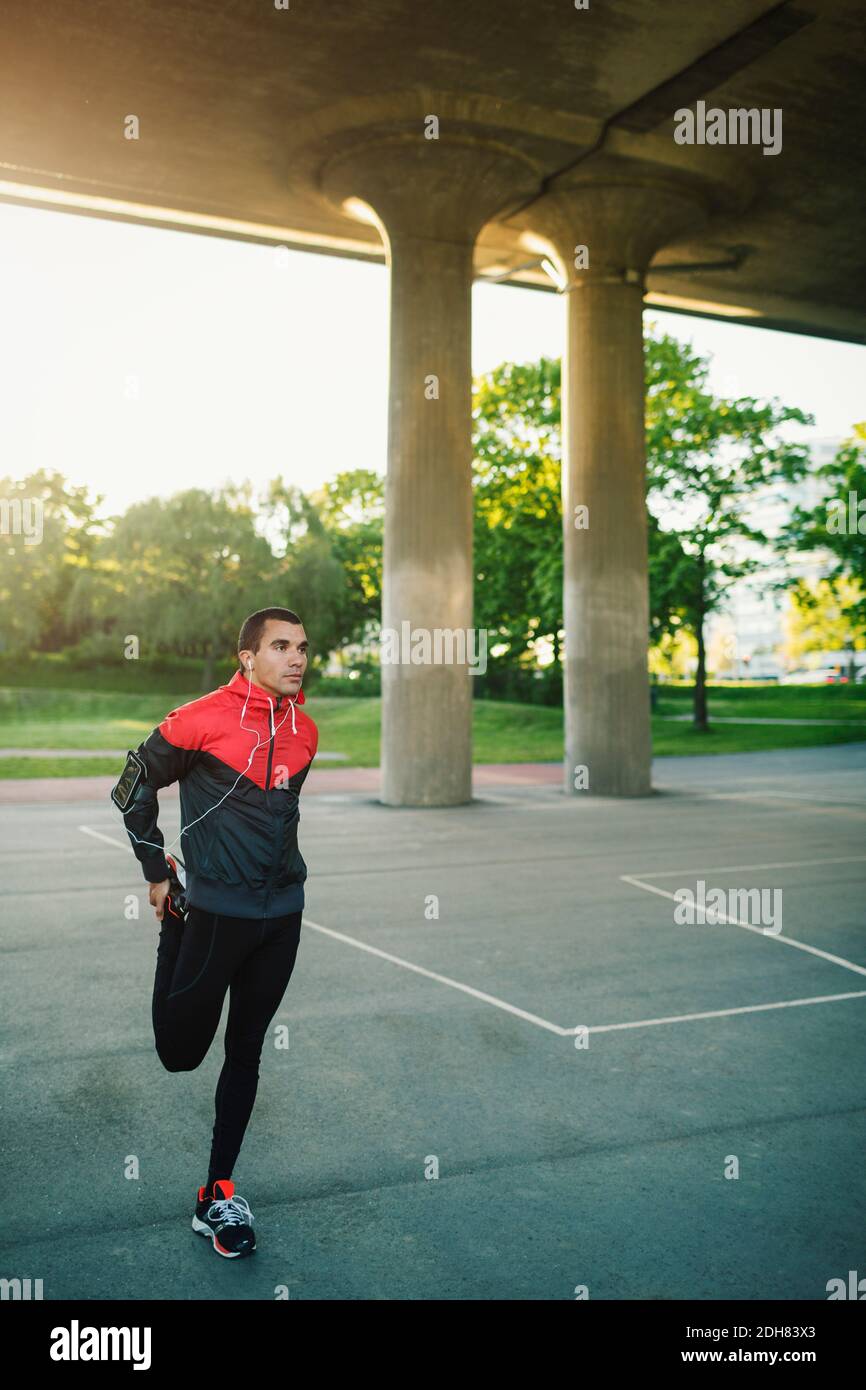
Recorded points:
(432, 1131)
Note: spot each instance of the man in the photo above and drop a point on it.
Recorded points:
(240, 755)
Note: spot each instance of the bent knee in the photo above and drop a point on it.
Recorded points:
(175, 1060)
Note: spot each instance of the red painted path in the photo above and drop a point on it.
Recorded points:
(320, 780)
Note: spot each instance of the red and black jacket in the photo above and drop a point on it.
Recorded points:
(239, 841)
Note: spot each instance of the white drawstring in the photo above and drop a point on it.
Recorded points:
(285, 716)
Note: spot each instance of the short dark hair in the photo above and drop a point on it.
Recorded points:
(252, 628)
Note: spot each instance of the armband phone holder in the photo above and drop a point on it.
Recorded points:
(129, 781)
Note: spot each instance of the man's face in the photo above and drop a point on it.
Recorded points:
(281, 660)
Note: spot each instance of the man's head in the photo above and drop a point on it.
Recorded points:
(272, 650)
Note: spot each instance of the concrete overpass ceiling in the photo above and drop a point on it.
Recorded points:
(239, 101)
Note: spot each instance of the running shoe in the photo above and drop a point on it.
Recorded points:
(227, 1219)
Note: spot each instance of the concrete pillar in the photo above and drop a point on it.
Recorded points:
(621, 221)
(427, 560)
(430, 199)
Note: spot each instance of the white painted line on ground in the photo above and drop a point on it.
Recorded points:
(109, 840)
(722, 917)
(396, 960)
(737, 868)
(443, 979)
(522, 1013)
(813, 796)
(837, 806)
(768, 794)
(597, 1028)
(724, 1013)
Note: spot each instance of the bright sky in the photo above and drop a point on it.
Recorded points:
(140, 361)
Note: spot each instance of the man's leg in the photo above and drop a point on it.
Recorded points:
(195, 962)
(256, 991)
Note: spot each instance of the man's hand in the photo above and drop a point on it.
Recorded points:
(158, 894)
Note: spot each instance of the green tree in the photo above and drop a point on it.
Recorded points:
(836, 527)
(36, 571)
(708, 459)
(670, 577)
(825, 616)
(351, 508)
(312, 570)
(180, 573)
(517, 531)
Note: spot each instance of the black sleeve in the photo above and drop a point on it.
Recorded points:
(165, 763)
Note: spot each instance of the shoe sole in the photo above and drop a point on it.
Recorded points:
(205, 1230)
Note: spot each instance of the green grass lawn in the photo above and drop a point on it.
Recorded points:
(504, 732)
(771, 701)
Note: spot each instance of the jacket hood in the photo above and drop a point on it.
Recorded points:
(240, 687)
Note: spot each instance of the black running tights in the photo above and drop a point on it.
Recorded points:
(197, 961)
